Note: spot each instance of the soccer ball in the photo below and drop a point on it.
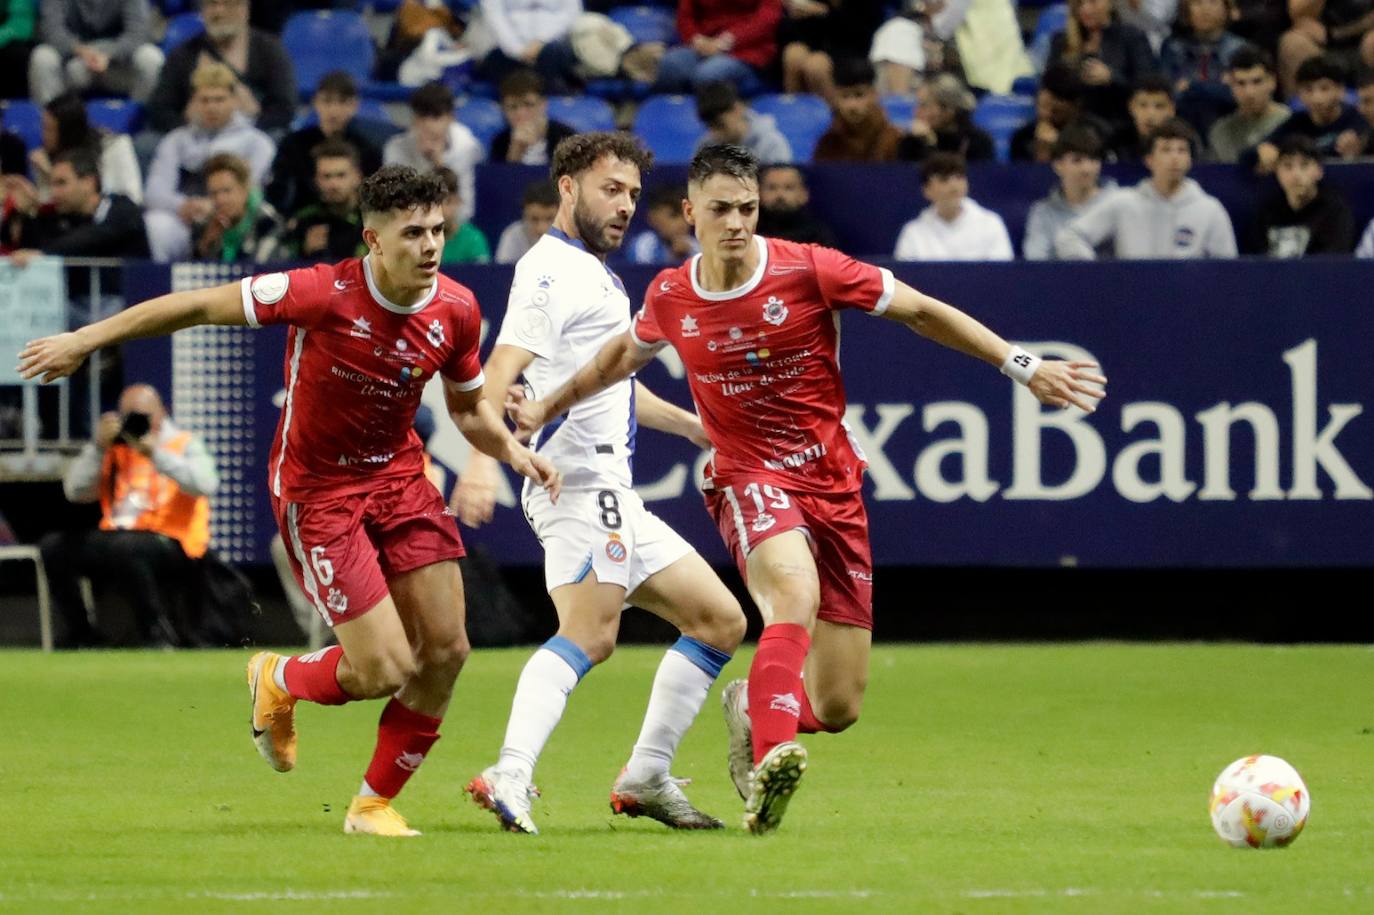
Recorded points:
(1259, 801)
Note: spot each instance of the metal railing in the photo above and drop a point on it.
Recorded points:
(31, 455)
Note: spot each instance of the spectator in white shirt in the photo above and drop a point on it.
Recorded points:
(953, 227)
(436, 140)
(531, 33)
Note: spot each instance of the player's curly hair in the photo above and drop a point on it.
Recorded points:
(400, 187)
(577, 153)
(723, 159)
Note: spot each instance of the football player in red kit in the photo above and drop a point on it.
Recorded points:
(371, 541)
(755, 322)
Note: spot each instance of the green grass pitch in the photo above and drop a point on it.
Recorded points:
(980, 779)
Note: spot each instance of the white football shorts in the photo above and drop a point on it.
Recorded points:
(606, 532)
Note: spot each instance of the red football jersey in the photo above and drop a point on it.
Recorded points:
(762, 361)
(356, 365)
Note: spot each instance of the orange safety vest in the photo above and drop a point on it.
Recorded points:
(125, 474)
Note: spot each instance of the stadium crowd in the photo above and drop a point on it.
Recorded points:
(240, 132)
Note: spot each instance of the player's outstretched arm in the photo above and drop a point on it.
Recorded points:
(1059, 384)
(481, 425)
(474, 498)
(51, 358)
(620, 358)
(654, 412)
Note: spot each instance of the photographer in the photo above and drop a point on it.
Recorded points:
(152, 481)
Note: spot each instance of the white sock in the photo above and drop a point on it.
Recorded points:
(366, 790)
(279, 675)
(540, 697)
(680, 688)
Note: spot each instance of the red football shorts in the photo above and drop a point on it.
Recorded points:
(343, 550)
(836, 524)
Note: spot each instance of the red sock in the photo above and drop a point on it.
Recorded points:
(314, 677)
(807, 722)
(775, 688)
(403, 739)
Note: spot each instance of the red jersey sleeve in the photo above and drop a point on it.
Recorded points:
(644, 328)
(464, 365)
(847, 283)
(299, 297)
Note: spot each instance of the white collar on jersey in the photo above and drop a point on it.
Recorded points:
(387, 303)
(738, 291)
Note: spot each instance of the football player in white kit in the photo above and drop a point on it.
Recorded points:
(602, 548)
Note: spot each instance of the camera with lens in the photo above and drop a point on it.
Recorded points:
(136, 425)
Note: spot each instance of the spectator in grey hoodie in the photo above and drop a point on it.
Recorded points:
(1076, 158)
(175, 195)
(1166, 216)
(729, 120)
(94, 44)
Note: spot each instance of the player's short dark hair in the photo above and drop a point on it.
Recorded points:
(336, 148)
(942, 165)
(338, 84)
(449, 178)
(228, 162)
(1247, 57)
(1062, 82)
(431, 100)
(1323, 66)
(723, 159)
(575, 154)
(1365, 77)
(1153, 84)
(667, 197)
(853, 71)
(1079, 139)
(540, 193)
(1172, 129)
(84, 162)
(1301, 145)
(400, 187)
(714, 100)
(523, 81)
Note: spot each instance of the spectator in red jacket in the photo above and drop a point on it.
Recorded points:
(722, 41)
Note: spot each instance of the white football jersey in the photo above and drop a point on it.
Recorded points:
(565, 304)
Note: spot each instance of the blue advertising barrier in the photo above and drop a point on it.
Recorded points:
(1234, 433)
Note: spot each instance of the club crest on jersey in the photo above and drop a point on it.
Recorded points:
(615, 549)
(436, 334)
(361, 328)
(689, 327)
(774, 311)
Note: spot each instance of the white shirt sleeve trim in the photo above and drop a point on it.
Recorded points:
(473, 383)
(641, 344)
(889, 289)
(250, 311)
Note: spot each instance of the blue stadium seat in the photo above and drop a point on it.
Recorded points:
(900, 109)
(583, 113)
(482, 116)
(1025, 85)
(383, 91)
(172, 8)
(181, 28)
(24, 118)
(801, 118)
(324, 40)
(668, 124)
(647, 23)
(115, 114)
(1052, 19)
(1001, 116)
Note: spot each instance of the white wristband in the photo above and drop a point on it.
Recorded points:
(1020, 365)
